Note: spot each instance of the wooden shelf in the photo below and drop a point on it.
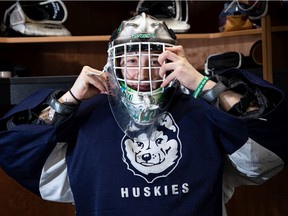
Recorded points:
(219, 34)
(279, 28)
(54, 39)
(106, 37)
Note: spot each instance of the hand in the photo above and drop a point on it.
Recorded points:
(174, 59)
(89, 83)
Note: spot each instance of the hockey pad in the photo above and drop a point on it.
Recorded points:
(33, 18)
(51, 11)
(41, 29)
(218, 62)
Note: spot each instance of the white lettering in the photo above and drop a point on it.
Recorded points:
(136, 191)
(147, 192)
(155, 191)
(124, 192)
(175, 189)
(166, 190)
(185, 188)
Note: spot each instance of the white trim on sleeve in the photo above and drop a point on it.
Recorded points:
(54, 182)
(252, 164)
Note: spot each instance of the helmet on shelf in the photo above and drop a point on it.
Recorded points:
(174, 13)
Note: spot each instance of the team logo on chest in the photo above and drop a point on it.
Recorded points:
(155, 156)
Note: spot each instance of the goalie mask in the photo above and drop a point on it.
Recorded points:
(174, 13)
(135, 95)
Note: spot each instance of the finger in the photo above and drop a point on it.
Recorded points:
(166, 69)
(178, 50)
(91, 71)
(95, 73)
(169, 78)
(98, 82)
(167, 56)
(96, 78)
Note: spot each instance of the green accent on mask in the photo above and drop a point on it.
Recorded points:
(132, 96)
(143, 35)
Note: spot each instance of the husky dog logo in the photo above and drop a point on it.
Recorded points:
(157, 156)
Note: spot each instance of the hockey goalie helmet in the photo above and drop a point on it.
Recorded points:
(133, 54)
(174, 13)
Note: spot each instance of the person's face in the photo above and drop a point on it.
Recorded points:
(137, 68)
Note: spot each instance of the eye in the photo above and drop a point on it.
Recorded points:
(158, 141)
(132, 61)
(140, 144)
(154, 62)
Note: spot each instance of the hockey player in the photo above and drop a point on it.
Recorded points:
(148, 134)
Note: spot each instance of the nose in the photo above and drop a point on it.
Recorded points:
(144, 68)
(144, 72)
(146, 157)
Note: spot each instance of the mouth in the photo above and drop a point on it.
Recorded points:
(142, 88)
(150, 164)
(147, 164)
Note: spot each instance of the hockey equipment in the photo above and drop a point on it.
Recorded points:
(218, 62)
(254, 8)
(39, 18)
(174, 13)
(232, 18)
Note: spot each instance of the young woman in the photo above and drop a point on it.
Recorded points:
(148, 134)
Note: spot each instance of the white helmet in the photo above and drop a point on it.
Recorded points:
(175, 13)
(139, 99)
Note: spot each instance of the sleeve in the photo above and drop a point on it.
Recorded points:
(252, 164)
(54, 181)
(266, 151)
(266, 126)
(25, 147)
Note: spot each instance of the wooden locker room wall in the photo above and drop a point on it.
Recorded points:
(67, 58)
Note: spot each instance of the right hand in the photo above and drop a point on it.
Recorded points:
(89, 83)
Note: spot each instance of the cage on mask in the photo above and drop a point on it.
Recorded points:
(136, 68)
